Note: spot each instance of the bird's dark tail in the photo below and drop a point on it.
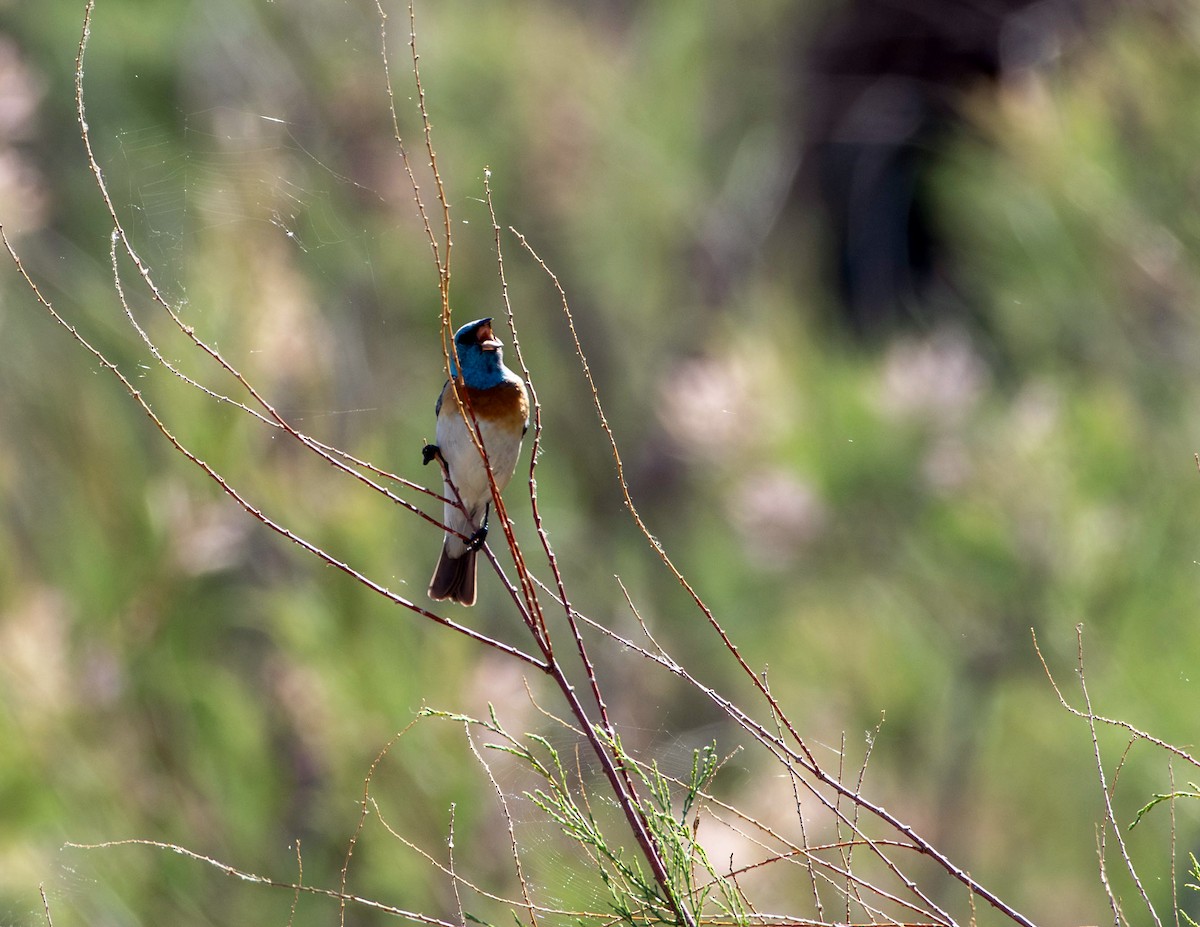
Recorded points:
(454, 578)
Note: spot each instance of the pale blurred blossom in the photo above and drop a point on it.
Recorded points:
(940, 377)
(23, 195)
(101, 679)
(776, 514)
(1036, 414)
(35, 669)
(301, 693)
(24, 201)
(947, 466)
(205, 536)
(292, 340)
(501, 683)
(707, 406)
(20, 93)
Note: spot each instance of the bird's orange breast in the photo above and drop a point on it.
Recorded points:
(505, 405)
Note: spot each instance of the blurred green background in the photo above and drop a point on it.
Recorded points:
(881, 520)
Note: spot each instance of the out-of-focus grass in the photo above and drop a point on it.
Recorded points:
(881, 527)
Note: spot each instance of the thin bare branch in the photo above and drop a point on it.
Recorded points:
(253, 878)
(393, 832)
(513, 847)
(299, 881)
(444, 265)
(462, 917)
(1111, 722)
(536, 421)
(1174, 844)
(399, 137)
(1109, 814)
(45, 905)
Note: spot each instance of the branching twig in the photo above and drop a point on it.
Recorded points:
(508, 822)
(1110, 722)
(1109, 815)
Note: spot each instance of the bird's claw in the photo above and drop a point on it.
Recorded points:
(429, 453)
(475, 541)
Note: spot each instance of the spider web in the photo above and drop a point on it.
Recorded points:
(228, 170)
(241, 192)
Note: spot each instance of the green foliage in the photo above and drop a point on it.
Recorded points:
(1159, 799)
(1194, 872)
(571, 802)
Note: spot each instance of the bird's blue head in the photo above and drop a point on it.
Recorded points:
(480, 354)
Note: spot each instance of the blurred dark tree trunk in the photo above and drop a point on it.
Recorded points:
(881, 85)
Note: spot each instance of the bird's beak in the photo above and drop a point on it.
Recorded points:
(487, 338)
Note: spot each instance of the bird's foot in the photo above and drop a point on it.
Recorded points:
(429, 453)
(475, 541)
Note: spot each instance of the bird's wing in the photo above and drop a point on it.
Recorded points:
(437, 409)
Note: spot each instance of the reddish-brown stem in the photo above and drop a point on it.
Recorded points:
(801, 755)
(619, 778)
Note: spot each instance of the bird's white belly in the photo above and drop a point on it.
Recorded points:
(466, 466)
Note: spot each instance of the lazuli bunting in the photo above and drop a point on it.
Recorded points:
(497, 398)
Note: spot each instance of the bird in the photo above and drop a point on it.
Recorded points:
(497, 399)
